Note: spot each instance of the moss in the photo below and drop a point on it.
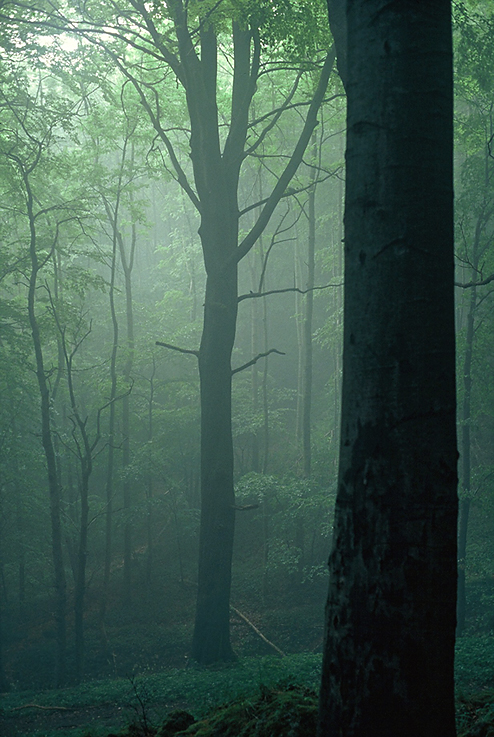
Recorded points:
(277, 712)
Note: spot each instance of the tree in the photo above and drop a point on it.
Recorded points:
(390, 616)
(28, 131)
(474, 213)
(188, 42)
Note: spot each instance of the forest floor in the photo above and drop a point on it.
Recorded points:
(149, 675)
(268, 687)
(34, 720)
(102, 707)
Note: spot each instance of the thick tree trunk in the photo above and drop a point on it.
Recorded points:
(216, 175)
(211, 640)
(390, 617)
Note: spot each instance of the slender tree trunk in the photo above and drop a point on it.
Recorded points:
(19, 517)
(466, 425)
(3, 601)
(391, 610)
(49, 450)
(80, 583)
(110, 467)
(466, 465)
(307, 328)
(4, 683)
(149, 487)
(254, 341)
(127, 261)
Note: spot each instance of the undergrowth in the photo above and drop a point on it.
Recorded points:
(277, 696)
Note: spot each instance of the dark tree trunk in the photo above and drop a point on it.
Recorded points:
(212, 631)
(216, 176)
(466, 466)
(149, 487)
(307, 326)
(466, 426)
(390, 617)
(80, 582)
(49, 450)
(216, 168)
(127, 265)
(109, 484)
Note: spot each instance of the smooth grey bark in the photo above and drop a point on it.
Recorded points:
(390, 615)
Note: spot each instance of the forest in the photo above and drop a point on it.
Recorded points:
(172, 291)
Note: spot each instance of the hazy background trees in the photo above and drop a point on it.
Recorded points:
(119, 266)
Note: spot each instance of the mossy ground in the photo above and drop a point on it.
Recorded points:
(255, 697)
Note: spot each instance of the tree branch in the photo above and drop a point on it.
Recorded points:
(293, 164)
(176, 348)
(257, 631)
(481, 283)
(255, 295)
(255, 360)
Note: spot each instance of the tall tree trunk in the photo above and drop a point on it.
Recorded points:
(49, 450)
(308, 315)
(466, 426)
(391, 610)
(110, 465)
(466, 466)
(216, 175)
(4, 685)
(149, 486)
(127, 261)
(211, 640)
(85, 455)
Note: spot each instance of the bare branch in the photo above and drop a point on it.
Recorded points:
(257, 631)
(292, 191)
(481, 283)
(176, 348)
(255, 360)
(255, 295)
(293, 164)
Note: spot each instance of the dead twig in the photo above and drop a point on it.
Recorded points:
(38, 706)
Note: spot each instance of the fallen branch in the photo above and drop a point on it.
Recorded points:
(258, 632)
(38, 706)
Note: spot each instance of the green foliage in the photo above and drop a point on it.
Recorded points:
(276, 712)
(276, 694)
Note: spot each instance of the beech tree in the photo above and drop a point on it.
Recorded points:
(390, 617)
(188, 43)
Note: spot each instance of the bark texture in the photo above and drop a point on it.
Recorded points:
(390, 618)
